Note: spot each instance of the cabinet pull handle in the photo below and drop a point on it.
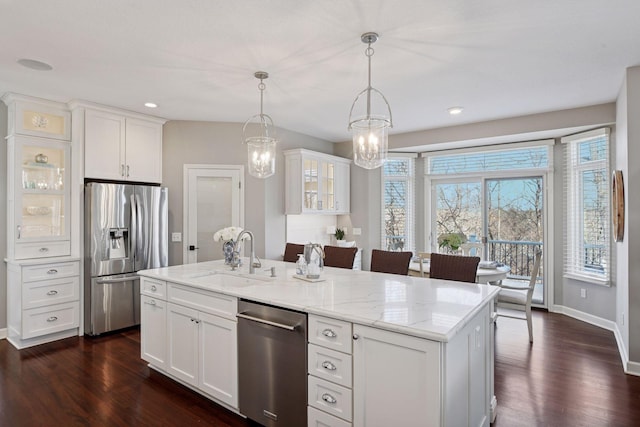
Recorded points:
(122, 170)
(44, 249)
(52, 319)
(52, 292)
(153, 288)
(19, 231)
(52, 271)
(328, 366)
(329, 333)
(328, 398)
(152, 302)
(127, 171)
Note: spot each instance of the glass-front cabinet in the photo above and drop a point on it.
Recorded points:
(38, 194)
(316, 183)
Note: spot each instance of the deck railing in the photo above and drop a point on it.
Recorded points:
(519, 256)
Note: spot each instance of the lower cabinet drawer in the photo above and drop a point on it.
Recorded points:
(50, 271)
(153, 288)
(317, 418)
(47, 320)
(331, 398)
(209, 302)
(329, 364)
(42, 249)
(47, 292)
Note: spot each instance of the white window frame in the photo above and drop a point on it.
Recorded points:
(574, 268)
(410, 241)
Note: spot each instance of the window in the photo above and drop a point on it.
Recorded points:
(397, 203)
(587, 206)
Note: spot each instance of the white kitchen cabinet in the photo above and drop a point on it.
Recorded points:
(37, 117)
(191, 334)
(153, 331)
(38, 196)
(42, 300)
(120, 146)
(316, 183)
(406, 392)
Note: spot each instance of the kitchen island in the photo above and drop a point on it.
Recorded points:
(399, 350)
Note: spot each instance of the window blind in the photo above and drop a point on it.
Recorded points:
(587, 244)
(397, 225)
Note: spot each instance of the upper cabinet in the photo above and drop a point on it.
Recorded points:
(38, 187)
(120, 146)
(37, 117)
(316, 183)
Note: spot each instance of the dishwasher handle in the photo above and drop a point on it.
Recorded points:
(267, 322)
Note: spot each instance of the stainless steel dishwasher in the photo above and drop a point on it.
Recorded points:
(272, 364)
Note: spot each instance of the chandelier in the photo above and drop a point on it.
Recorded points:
(259, 135)
(369, 127)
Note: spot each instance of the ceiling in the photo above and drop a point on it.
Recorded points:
(196, 58)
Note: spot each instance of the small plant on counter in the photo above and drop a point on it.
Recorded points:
(339, 234)
(228, 233)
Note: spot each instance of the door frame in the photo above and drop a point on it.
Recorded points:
(187, 169)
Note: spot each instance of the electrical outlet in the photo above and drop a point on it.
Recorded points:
(357, 231)
(583, 293)
(176, 237)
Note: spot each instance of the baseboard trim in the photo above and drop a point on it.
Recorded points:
(631, 368)
(3, 333)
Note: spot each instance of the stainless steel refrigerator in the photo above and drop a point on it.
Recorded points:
(126, 230)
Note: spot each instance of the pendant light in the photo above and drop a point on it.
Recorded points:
(259, 135)
(370, 125)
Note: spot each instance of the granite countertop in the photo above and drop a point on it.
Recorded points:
(422, 307)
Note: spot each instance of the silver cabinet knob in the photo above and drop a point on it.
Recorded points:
(356, 336)
(328, 398)
(328, 366)
(329, 333)
(153, 288)
(52, 292)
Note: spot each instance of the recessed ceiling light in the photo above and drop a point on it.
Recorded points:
(455, 110)
(150, 104)
(35, 65)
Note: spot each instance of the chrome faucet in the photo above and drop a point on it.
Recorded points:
(253, 260)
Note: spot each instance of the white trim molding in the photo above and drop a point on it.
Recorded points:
(3, 333)
(631, 368)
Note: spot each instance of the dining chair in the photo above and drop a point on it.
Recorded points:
(454, 267)
(422, 258)
(390, 261)
(519, 298)
(291, 252)
(335, 256)
(473, 249)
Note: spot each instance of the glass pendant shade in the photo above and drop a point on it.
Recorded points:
(259, 136)
(370, 120)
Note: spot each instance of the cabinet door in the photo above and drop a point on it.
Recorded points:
(182, 327)
(342, 188)
(328, 186)
(219, 358)
(39, 187)
(143, 151)
(153, 331)
(104, 145)
(396, 379)
(310, 180)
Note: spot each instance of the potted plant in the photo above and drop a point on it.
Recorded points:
(451, 242)
(339, 234)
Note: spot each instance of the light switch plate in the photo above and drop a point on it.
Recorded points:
(357, 231)
(176, 237)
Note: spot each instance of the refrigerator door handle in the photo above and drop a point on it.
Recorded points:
(118, 280)
(134, 228)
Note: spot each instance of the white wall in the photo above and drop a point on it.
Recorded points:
(628, 260)
(187, 142)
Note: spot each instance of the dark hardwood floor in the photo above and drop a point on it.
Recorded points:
(570, 376)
